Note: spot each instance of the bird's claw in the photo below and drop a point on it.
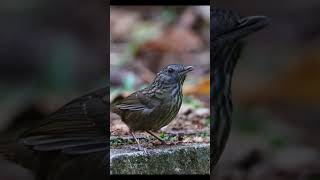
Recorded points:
(142, 149)
(139, 149)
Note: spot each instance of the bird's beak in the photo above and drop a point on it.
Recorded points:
(245, 27)
(186, 70)
(253, 23)
(249, 25)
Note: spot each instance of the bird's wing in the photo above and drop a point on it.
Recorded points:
(77, 127)
(137, 101)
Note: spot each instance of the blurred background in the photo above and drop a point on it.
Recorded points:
(276, 94)
(144, 39)
(51, 52)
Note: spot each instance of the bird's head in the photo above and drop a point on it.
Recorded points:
(227, 31)
(229, 26)
(173, 73)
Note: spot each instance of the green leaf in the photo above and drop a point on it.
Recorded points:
(162, 135)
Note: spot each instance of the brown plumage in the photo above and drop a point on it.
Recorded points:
(155, 106)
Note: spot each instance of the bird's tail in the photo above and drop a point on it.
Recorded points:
(114, 104)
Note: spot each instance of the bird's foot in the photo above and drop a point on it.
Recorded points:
(161, 141)
(142, 149)
(139, 148)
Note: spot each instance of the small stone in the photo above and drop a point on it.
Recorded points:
(198, 139)
(203, 112)
(185, 110)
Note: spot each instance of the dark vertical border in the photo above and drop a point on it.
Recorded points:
(106, 23)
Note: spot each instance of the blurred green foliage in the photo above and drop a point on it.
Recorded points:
(192, 102)
(141, 33)
(168, 15)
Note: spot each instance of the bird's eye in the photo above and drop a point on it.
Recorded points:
(170, 70)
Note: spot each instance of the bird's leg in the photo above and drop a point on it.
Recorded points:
(162, 141)
(139, 146)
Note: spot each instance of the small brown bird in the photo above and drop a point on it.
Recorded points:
(155, 106)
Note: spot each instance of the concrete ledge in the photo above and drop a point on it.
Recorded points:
(173, 159)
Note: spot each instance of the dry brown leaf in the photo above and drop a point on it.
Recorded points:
(174, 40)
